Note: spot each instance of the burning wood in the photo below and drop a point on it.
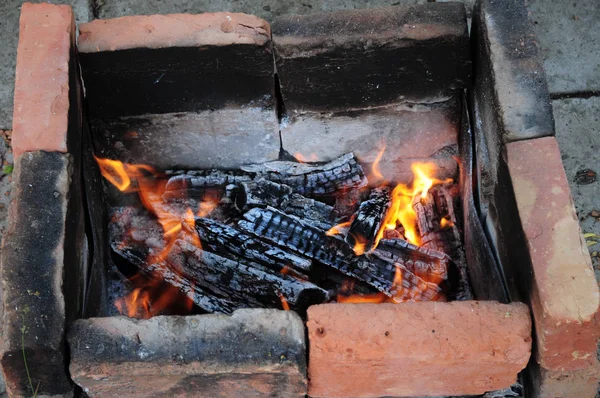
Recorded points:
(313, 178)
(310, 241)
(363, 231)
(262, 236)
(215, 283)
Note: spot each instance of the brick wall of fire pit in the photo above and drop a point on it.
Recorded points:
(221, 90)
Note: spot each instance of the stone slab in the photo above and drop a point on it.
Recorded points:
(569, 43)
(250, 353)
(578, 135)
(176, 63)
(223, 138)
(508, 71)
(10, 11)
(410, 133)
(378, 56)
(564, 293)
(266, 9)
(35, 265)
(416, 349)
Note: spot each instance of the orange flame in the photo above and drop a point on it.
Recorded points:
(175, 225)
(303, 159)
(338, 229)
(446, 223)
(284, 303)
(375, 170)
(401, 210)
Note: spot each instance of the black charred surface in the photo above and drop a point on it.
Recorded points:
(313, 178)
(177, 79)
(368, 219)
(263, 193)
(362, 58)
(292, 233)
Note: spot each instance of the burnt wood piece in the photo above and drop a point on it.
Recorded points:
(233, 243)
(362, 58)
(215, 283)
(368, 219)
(303, 238)
(313, 178)
(263, 193)
(428, 264)
(347, 202)
(196, 183)
(438, 205)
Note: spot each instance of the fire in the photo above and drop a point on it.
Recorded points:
(446, 223)
(401, 211)
(143, 179)
(284, 304)
(338, 229)
(305, 159)
(375, 171)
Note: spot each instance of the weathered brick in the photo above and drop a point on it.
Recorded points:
(425, 133)
(416, 349)
(176, 63)
(40, 261)
(581, 383)
(564, 294)
(42, 82)
(250, 353)
(361, 58)
(509, 75)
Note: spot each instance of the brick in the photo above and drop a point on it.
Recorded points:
(361, 58)
(42, 86)
(225, 138)
(581, 383)
(509, 75)
(176, 63)
(250, 353)
(416, 349)
(40, 260)
(564, 294)
(426, 133)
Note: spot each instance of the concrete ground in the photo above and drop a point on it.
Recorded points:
(567, 33)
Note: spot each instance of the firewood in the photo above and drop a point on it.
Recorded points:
(263, 193)
(428, 264)
(313, 178)
(198, 183)
(367, 220)
(299, 236)
(233, 243)
(218, 284)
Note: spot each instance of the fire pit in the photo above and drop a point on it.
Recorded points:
(238, 185)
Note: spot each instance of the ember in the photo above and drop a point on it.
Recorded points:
(275, 235)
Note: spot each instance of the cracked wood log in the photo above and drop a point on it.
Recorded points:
(263, 193)
(367, 220)
(303, 238)
(198, 183)
(215, 283)
(233, 243)
(438, 229)
(428, 264)
(313, 178)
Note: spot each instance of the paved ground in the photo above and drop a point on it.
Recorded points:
(567, 32)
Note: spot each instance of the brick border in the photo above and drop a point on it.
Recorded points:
(416, 349)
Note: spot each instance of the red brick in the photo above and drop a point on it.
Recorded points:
(416, 349)
(174, 30)
(564, 295)
(41, 103)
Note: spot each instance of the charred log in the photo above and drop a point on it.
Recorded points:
(233, 243)
(199, 183)
(428, 264)
(313, 178)
(438, 230)
(367, 221)
(215, 283)
(347, 202)
(263, 193)
(377, 271)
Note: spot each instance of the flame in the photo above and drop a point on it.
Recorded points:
(359, 246)
(446, 223)
(375, 171)
(174, 223)
(303, 159)
(284, 304)
(401, 211)
(338, 229)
